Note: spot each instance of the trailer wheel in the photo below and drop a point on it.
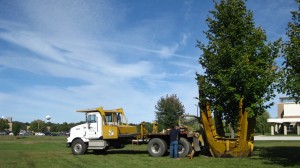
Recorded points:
(184, 147)
(157, 147)
(78, 147)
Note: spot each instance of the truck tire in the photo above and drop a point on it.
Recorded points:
(184, 147)
(157, 147)
(78, 147)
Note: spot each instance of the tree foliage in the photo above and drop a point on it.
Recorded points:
(148, 125)
(168, 110)
(17, 126)
(291, 50)
(262, 126)
(38, 126)
(64, 127)
(3, 124)
(238, 62)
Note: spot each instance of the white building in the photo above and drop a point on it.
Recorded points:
(288, 117)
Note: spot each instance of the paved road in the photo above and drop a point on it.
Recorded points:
(280, 138)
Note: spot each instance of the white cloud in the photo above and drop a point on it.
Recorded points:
(109, 78)
(184, 39)
(81, 60)
(33, 43)
(61, 103)
(167, 52)
(124, 62)
(72, 19)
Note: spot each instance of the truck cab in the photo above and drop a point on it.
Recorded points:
(103, 129)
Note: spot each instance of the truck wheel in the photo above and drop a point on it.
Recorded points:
(184, 147)
(78, 147)
(157, 147)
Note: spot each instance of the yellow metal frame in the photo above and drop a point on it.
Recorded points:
(241, 146)
(115, 111)
(110, 132)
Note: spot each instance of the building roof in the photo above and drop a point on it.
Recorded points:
(282, 120)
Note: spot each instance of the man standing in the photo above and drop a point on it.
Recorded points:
(174, 137)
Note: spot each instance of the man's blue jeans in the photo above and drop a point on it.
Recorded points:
(174, 149)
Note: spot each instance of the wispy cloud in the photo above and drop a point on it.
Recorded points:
(33, 43)
(59, 41)
(123, 60)
(169, 51)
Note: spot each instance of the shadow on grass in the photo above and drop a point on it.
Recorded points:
(280, 155)
(109, 152)
(20, 137)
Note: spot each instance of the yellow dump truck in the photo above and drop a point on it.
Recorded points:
(103, 129)
(106, 129)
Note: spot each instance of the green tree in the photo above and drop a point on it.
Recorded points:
(54, 127)
(291, 50)
(66, 127)
(262, 126)
(148, 125)
(168, 110)
(3, 124)
(16, 127)
(38, 126)
(238, 62)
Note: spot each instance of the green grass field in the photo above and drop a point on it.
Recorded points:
(51, 152)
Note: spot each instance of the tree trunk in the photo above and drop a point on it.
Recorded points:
(251, 127)
(219, 124)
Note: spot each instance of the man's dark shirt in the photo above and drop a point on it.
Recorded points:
(174, 134)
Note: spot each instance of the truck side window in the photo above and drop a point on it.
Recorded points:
(91, 118)
(108, 118)
(119, 120)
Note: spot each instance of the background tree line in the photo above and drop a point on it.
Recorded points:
(37, 126)
(42, 126)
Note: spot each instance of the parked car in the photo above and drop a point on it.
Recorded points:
(48, 133)
(64, 133)
(39, 134)
(24, 133)
(3, 133)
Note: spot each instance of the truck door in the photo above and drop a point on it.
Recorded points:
(94, 127)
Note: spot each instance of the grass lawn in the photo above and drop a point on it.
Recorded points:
(51, 152)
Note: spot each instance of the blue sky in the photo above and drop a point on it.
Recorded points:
(59, 56)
